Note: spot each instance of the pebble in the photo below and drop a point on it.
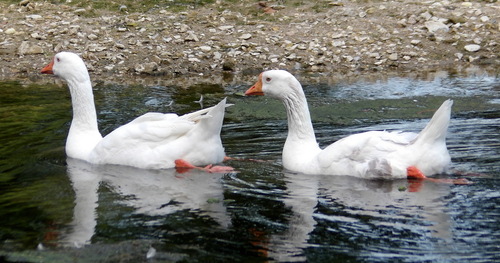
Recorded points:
(147, 68)
(92, 37)
(224, 28)
(10, 31)
(246, 36)
(393, 56)
(484, 19)
(34, 17)
(205, 48)
(472, 47)
(27, 49)
(436, 26)
(415, 42)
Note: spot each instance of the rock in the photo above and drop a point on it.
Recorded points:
(426, 15)
(37, 36)
(436, 26)
(472, 47)
(146, 68)
(484, 19)
(338, 43)
(191, 37)
(24, 2)
(415, 42)
(205, 48)
(26, 49)
(120, 45)
(34, 17)
(246, 36)
(393, 56)
(92, 37)
(10, 31)
(224, 28)
(80, 11)
(217, 55)
(228, 65)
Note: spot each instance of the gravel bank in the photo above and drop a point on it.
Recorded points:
(338, 36)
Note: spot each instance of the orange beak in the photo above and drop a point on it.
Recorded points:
(48, 69)
(256, 89)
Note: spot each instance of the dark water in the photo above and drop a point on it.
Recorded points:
(55, 209)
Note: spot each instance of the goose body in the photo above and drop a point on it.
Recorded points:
(374, 154)
(151, 141)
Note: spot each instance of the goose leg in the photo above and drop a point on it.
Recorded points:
(414, 172)
(183, 165)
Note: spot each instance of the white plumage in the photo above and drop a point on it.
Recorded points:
(374, 154)
(152, 141)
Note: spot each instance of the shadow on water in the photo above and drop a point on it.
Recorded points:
(57, 210)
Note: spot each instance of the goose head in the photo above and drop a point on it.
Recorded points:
(68, 66)
(279, 84)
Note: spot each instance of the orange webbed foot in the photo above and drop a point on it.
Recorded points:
(414, 172)
(218, 169)
(183, 166)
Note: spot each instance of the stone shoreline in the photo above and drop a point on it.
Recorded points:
(343, 37)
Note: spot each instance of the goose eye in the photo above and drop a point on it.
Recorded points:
(58, 59)
(268, 79)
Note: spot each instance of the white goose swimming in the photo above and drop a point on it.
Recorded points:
(374, 154)
(151, 141)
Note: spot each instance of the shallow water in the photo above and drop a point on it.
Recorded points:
(57, 210)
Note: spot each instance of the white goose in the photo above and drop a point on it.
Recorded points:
(374, 154)
(151, 141)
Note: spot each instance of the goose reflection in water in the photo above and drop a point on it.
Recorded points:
(149, 192)
(355, 209)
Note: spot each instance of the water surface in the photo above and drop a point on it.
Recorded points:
(56, 209)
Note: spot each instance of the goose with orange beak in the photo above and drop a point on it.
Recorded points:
(151, 141)
(374, 154)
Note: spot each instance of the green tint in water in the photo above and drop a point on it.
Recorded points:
(33, 180)
(261, 213)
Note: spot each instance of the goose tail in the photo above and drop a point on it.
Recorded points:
(211, 122)
(436, 129)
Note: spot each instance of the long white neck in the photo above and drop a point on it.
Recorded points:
(83, 134)
(301, 142)
(299, 119)
(82, 99)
